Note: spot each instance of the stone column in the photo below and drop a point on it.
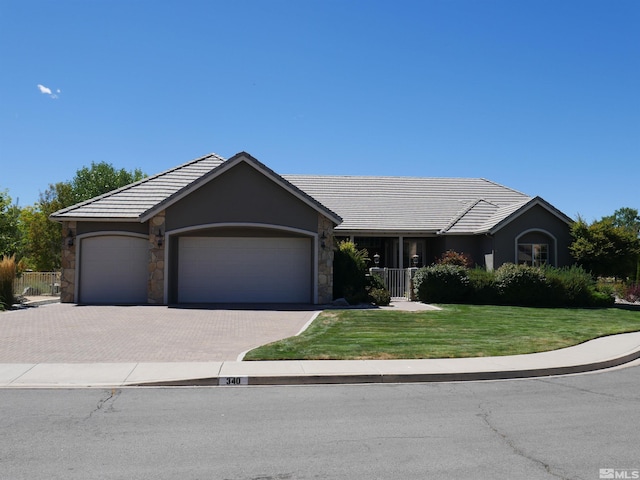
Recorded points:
(155, 284)
(325, 260)
(68, 263)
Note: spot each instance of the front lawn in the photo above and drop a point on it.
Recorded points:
(455, 331)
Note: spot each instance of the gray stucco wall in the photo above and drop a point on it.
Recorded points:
(470, 244)
(244, 195)
(537, 219)
(95, 227)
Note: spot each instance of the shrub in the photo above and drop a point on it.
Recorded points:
(632, 293)
(377, 291)
(483, 287)
(380, 296)
(599, 299)
(350, 273)
(522, 285)
(451, 257)
(441, 284)
(7, 275)
(569, 286)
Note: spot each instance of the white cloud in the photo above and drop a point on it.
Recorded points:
(47, 91)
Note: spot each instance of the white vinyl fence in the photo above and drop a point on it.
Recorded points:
(37, 283)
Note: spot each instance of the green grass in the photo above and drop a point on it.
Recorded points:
(456, 331)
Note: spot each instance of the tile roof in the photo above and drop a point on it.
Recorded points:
(409, 204)
(133, 201)
(365, 203)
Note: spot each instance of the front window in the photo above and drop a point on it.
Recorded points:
(533, 254)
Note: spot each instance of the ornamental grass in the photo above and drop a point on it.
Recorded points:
(7, 276)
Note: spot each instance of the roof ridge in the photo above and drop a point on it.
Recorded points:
(404, 177)
(458, 216)
(190, 162)
(504, 186)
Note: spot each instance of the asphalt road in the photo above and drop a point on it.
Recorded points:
(546, 428)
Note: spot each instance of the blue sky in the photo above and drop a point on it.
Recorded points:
(542, 96)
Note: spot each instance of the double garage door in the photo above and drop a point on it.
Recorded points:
(114, 270)
(244, 270)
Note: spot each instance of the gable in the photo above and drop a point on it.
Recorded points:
(241, 194)
(537, 210)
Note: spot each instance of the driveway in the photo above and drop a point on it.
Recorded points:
(67, 333)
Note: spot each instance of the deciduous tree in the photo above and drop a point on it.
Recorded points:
(9, 225)
(42, 237)
(604, 248)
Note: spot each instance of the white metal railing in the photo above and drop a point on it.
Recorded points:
(397, 281)
(37, 283)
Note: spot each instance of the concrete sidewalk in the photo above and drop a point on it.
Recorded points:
(594, 355)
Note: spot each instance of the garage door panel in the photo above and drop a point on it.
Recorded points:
(113, 270)
(244, 270)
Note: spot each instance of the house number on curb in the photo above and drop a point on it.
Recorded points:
(233, 381)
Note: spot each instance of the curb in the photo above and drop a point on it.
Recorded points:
(286, 380)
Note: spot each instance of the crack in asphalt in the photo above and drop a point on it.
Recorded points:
(281, 476)
(485, 415)
(615, 396)
(106, 404)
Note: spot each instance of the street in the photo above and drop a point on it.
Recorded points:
(563, 427)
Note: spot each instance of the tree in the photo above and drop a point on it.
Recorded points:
(627, 218)
(9, 226)
(99, 179)
(604, 248)
(350, 272)
(42, 240)
(42, 237)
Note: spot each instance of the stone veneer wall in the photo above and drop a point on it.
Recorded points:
(68, 264)
(155, 284)
(325, 260)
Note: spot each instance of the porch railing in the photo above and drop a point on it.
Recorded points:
(397, 281)
(37, 283)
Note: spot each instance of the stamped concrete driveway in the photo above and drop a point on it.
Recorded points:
(65, 333)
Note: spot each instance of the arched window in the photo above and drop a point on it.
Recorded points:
(536, 247)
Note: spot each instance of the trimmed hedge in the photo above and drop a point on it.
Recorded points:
(483, 289)
(443, 283)
(511, 284)
(521, 285)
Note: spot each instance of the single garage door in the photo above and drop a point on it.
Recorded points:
(244, 270)
(113, 270)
